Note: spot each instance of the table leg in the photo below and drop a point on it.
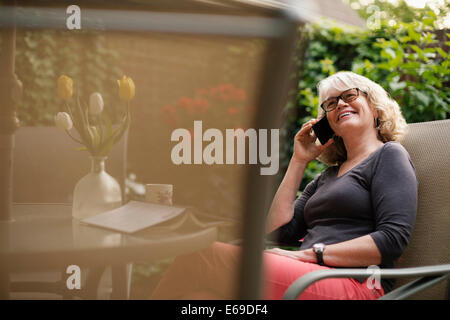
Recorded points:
(4, 284)
(121, 278)
(92, 282)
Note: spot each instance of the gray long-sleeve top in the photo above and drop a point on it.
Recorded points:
(377, 197)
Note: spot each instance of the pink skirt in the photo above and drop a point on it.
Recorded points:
(213, 273)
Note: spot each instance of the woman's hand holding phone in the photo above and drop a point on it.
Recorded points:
(305, 148)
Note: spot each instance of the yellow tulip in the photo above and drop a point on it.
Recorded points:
(126, 88)
(65, 87)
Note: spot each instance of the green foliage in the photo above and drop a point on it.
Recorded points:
(43, 55)
(409, 60)
(399, 11)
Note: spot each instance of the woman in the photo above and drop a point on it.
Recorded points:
(359, 212)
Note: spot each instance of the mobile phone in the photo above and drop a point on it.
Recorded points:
(323, 130)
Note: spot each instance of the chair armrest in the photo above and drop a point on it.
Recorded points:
(431, 272)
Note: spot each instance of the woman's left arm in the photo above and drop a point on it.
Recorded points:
(357, 252)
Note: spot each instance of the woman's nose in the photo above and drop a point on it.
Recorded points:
(341, 104)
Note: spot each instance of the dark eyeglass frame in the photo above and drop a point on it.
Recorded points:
(340, 97)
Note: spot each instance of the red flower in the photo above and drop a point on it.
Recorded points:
(226, 91)
(202, 92)
(201, 104)
(187, 104)
(184, 102)
(239, 95)
(225, 96)
(168, 109)
(226, 99)
(214, 91)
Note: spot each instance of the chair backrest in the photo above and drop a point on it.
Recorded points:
(47, 166)
(428, 144)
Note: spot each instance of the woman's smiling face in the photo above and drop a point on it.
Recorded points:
(349, 117)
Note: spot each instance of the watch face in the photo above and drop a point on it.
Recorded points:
(318, 247)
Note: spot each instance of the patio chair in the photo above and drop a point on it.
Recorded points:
(428, 254)
(46, 168)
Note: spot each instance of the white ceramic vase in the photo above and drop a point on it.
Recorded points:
(96, 192)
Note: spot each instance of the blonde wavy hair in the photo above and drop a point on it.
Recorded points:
(392, 124)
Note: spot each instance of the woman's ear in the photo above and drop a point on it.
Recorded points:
(375, 113)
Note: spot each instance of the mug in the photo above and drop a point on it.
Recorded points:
(159, 193)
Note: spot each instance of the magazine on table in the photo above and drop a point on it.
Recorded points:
(137, 215)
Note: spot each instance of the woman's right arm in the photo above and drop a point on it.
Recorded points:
(282, 208)
(305, 150)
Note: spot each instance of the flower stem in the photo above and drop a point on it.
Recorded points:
(73, 138)
(99, 123)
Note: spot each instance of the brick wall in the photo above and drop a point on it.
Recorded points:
(164, 68)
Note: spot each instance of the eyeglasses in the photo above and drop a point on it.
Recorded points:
(347, 96)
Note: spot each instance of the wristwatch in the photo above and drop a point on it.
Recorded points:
(318, 249)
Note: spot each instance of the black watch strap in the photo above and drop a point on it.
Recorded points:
(319, 255)
(318, 249)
